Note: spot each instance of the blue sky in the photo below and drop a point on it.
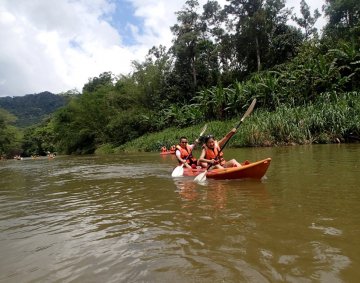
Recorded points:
(124, 15)
(58, 45)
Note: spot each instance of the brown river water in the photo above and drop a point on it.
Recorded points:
(123, 218)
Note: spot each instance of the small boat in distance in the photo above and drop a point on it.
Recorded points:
(167, 152)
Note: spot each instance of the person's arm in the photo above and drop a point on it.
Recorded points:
(227, 137)
(202, 155)
(202, 158)
(194, 144)
(183, 161)
(178, 156)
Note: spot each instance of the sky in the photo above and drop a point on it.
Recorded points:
(58, 45)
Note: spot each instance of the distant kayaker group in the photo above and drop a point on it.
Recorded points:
(49, 155)
(165, 151)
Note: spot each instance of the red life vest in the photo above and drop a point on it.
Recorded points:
(213, 153)
(185, 152)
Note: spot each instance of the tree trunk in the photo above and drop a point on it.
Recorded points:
(194, 72)
(257, 54)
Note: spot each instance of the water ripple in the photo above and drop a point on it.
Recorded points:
(108, 219)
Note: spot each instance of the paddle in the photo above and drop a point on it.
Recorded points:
(179, 170)
(202, 176)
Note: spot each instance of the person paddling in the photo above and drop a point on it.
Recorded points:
(184, 153)
(210, 152)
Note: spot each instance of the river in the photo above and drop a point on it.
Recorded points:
(122, 218)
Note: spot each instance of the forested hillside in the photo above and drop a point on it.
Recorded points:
(307, 84)
(32, 108)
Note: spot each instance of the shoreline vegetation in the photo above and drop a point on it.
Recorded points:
(307, 85)
(334, 119)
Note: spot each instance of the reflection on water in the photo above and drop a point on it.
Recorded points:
(124, 219)
(216, 192)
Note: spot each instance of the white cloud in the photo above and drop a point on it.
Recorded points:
(58, 45)
(159, 16)
(313, 4)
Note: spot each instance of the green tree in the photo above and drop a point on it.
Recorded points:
(256, 25)
(187, 33)
(9, 135)
(38, 140)
(344, 19)
(214, 18)
(104, 79)
(307, 21)
(81, 126)
(342, 13)
(195, 57)
(149, 79)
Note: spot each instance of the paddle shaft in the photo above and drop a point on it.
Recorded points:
(247, 113)
(190, 153)
(226, 142)
(202, 176)
(195, 143)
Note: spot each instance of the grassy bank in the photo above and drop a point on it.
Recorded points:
(333, 118)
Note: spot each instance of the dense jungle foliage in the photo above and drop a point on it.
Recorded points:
(307, 86)
(32, 108)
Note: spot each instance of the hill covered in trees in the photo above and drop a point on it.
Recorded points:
(32, 108)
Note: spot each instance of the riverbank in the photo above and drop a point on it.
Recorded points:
(333, 119)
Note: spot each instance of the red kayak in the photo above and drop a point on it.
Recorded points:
(248, 170)
(167, 152)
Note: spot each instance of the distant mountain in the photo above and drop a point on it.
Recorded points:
(32, 108)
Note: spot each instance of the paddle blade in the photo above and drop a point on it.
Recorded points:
(203, 130)
(201, 177)
(178, 171)
(249, 110)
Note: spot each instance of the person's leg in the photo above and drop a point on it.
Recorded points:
(232, 163)
(202, 164)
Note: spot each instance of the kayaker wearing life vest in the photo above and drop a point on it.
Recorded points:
(183, 150)
(210, 152)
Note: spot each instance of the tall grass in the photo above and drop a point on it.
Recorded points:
(307, 78)
(154, 141)
(332, 118)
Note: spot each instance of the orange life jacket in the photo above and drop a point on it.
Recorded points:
(213, 153)
(185, 152)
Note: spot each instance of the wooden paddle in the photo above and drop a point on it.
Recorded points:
(179, 170)
(202, 176)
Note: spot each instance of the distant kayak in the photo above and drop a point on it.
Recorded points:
(248, 170)
(167, 152)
